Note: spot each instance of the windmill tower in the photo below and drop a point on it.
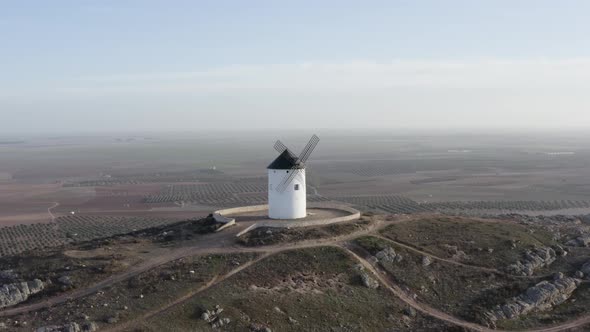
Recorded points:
(286, 182)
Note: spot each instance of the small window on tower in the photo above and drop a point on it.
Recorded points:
(297, 187)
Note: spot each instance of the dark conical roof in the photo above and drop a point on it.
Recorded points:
(286, 160)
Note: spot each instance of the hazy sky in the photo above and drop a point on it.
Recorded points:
(168, 65)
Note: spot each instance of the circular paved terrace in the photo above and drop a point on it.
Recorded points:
(317, 215)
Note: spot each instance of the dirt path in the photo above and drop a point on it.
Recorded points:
(384, 280)
(433, 312)
(453, 262)
(216, 243)
(131, 272)
(52, 216)
(214, 281)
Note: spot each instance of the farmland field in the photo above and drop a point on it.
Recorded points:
(19, 238)
(80, 228)
(507, 205)
(51, 187)
(160, 177)
(390, 204)
(400, 204)
(244, 192)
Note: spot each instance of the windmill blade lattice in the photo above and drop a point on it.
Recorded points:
(280, 147)
(313, 142)
(305, 153)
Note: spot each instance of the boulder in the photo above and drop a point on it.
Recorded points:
(15, 293)
(368, 281)
(585, 269)
(558, 275)
(89, 327)
(426, 261)
(388, 255)
(365, 278)
(65, 280)
(459, 255)
(581, 241)
(213, 317)
(561, 251)
(410, 312)
(112, 319)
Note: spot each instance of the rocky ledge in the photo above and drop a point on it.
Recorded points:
(533, 260)
(543, 296)
(15, 293)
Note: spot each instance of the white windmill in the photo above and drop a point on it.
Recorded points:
(286, 182)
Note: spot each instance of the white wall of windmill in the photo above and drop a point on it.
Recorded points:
(291, 203)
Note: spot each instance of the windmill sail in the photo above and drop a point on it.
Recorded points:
(313, 142)
(305, 153)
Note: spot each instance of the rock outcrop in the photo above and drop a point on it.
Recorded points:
(543, 296)
(65, 280)
(388, 255)
(8, 276)
(456, 254)
(70, 327)
(366, 278)
(581, 241)
(15, 293)
(213, 317)
(533, 260)
(585, 269)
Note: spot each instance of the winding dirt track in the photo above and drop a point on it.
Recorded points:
(223, 242)
(185, 297)
(411, 302)
(216, 243)
(51, 215)
(453, 262)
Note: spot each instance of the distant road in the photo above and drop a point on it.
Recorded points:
(55, 204)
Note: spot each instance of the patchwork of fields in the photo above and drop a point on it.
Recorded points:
(400, 204)
(223, 194)
(20, 238)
